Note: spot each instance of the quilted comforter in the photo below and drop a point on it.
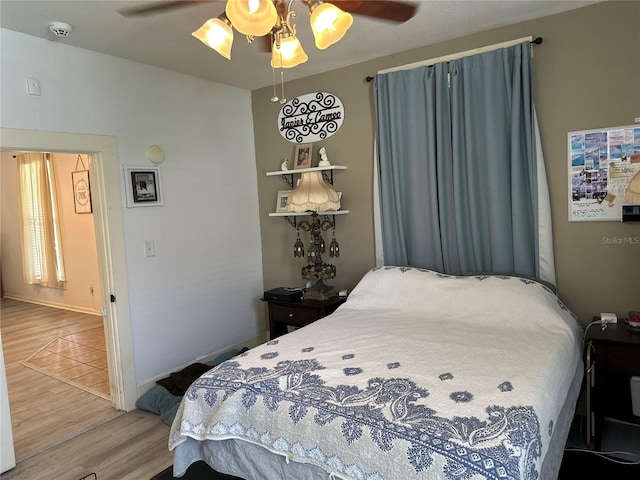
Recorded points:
(419, 375)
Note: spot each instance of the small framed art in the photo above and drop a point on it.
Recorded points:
(143, 187)
(302, 155)
(81, 191)
(283, 199)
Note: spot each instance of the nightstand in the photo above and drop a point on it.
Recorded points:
(614, 354)
(298, 314)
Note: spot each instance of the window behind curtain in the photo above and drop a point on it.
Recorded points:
(42, 258)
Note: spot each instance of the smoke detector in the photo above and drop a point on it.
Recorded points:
(60, 29)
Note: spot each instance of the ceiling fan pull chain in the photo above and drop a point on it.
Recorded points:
(275, 98)
(283, 100)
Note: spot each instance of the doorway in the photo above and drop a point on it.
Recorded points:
(70, 352)
(106, 197)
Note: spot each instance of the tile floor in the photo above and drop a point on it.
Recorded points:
(79, 359)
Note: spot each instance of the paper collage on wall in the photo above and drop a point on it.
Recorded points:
(601, 165)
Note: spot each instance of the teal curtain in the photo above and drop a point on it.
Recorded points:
(457, 164)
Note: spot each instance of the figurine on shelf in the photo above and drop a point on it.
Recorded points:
(285, 165)
(324, 160)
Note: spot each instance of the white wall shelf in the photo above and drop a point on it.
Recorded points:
(306, 214)
(287, 175)
(327, 173)
(302, 170)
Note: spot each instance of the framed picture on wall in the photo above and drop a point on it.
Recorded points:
(81, 191)
(302, 155)
(142, 185)
(281, 202)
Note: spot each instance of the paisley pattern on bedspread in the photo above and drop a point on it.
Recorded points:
(503, 445)
(418, 375)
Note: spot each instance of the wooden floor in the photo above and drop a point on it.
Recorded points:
(63, 432)
(130, 447)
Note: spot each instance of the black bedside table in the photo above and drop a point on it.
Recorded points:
(615, 356)
(298, 314)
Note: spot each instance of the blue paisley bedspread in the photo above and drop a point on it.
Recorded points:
(418, 375)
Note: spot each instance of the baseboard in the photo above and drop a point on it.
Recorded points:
(145, 386)
(45, 303)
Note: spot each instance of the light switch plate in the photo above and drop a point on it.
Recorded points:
(33, 86)
(149, 248)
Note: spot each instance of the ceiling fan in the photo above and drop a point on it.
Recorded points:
(272, 20)
(391, 10)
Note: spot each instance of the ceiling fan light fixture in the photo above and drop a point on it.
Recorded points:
(328, 23)
(288, 54)
(252, 17)
(217, 33)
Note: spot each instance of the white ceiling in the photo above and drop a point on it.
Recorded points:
(165, 40)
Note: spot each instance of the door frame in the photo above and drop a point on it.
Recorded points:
(104, 175)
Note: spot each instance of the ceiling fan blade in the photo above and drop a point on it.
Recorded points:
(158, 7)
(391, 10)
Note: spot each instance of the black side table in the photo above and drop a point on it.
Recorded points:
(614, 355)
(298, 314)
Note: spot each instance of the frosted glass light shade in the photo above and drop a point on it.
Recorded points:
(329, 24)
(313, 193)
(252, 17)
(216, 34)
(289, 54)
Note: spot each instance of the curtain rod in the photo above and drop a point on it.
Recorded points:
(535, 41)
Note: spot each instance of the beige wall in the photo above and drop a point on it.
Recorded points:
(78, 242)
(586, 75)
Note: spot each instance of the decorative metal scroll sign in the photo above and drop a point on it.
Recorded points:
(311, 117)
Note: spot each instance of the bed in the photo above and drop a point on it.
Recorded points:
(418, 375)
